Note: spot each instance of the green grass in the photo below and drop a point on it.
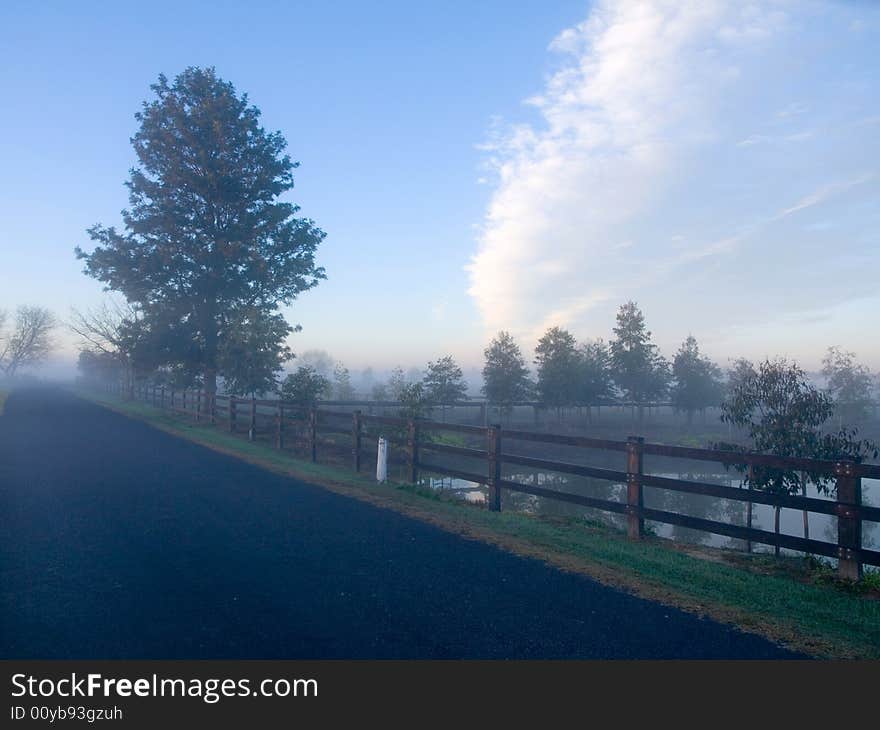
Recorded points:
(788, 600)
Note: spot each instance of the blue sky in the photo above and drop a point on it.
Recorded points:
(488, 165)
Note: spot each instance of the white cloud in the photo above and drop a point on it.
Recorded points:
(825, 193)
(678, 145)
(633, 102)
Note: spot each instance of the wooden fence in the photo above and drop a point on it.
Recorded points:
(287, 424)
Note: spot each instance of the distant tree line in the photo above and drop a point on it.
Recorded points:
(418, 393)
(630, 369)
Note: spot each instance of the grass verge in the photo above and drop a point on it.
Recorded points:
(784, 600)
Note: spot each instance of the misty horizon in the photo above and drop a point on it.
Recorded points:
(725, 176)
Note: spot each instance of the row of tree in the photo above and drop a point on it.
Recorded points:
(628, 368)
(631, 368)
(441, 384)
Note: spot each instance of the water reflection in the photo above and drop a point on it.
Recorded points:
(734, 512)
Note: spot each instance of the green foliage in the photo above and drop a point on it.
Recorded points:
(251, 358)
(558, 364)
(304, 386)
(396, 383)
(697, 380)
(505, 375)
(595, 383)
(342, 388)
(848, 383)
(444, 382)
(414, 401)
(737, 375)
(206, 237)
(639, 369)
(783, 413)
(379, 392)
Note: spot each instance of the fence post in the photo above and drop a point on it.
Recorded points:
(231, 414)
(849, 521)
(252, 431)
(279, 432)
(635, 527)
(199, 405)
(493, 434)
(750, 508)
(356, 440)
(211, 396)
(184, 401)
(313, 433)
(412, 451)
(162, 404)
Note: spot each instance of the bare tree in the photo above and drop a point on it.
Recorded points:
(101, 327)
(116, 329)
(30, 341)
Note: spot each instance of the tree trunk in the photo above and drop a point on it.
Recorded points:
(210, 381)
(209, 324)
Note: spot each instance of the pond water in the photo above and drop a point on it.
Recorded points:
(791, 522)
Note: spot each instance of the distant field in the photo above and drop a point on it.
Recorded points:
(3, 395)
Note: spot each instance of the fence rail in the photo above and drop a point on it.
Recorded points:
(287, 423)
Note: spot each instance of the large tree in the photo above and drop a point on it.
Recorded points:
(206, 236)
(30, 341)
(639, 369)
(697, 380)
(505, 375)
(557, 361)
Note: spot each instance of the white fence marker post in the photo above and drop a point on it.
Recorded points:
(382, 461)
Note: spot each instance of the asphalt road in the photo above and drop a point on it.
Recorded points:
(121, 541)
